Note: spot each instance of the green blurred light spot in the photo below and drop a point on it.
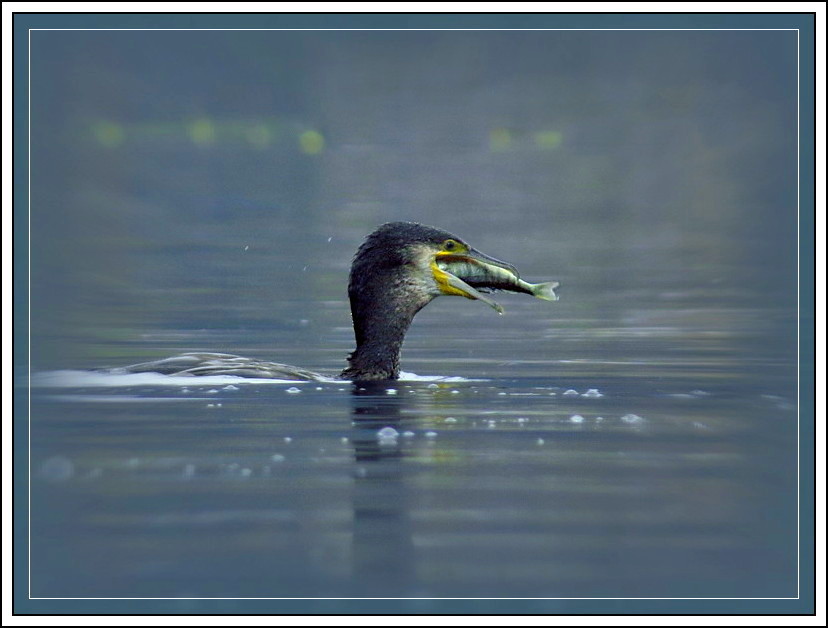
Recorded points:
(311, 142)
(202, 132)
(500, 139)
(108, 134)
(259, 135)
(548, 139)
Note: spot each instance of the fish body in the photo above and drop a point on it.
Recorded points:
(476, 276)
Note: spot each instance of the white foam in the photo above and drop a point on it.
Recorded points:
(104, 379)
(115, 379)
(413, 377)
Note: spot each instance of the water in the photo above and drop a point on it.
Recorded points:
(627, 476)
(636, 439)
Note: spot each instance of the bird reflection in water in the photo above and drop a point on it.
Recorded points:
(383, 545)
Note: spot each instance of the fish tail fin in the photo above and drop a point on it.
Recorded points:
(546, 291)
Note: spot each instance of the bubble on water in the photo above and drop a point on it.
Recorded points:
(576, 418)
(632, 419)
(593, 393)
(431, 434)
(390, 391)
(293, 390)
(571, 393)
(387, 436)
(288, 439)
(540, 441)
(408, 434)
(277, 458)
(230, 387)
(450, 419)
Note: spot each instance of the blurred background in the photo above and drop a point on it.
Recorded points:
(185, 182)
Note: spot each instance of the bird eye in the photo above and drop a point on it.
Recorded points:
(449, 245)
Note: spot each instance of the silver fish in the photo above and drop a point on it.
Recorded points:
(471, 276)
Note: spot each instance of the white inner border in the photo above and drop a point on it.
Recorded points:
(414, 29)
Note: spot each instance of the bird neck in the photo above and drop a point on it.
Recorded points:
(382, 312)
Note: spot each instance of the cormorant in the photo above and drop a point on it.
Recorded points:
(397, 271)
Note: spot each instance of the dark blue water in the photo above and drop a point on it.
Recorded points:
(637, 438)
(670, 472)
